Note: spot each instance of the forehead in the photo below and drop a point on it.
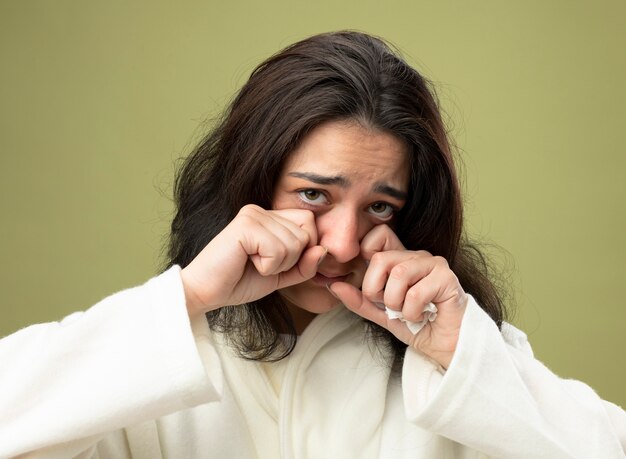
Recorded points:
(348, 149)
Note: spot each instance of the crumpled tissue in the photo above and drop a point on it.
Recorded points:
(430, 314)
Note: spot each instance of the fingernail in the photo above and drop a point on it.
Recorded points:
(319, 262)
(331, 292)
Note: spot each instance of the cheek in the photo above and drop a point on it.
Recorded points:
(282, 200)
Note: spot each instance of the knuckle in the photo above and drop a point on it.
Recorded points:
(398, 272)
(369, 292)
(250, 214)
(381, 229)
(246, 219)
(451, 278)
(302, 237)
(307, 216)
(298, 216)
(377, 257)
(297, 244)
(440, 261)
(413, 295)
(279, 252)
(249, 209)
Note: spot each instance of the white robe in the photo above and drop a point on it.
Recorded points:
(131, 377)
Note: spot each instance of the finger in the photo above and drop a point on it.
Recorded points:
(441, 288)
(380, 239)
(302, 219)
(402, 277)
(416, 299)
(293, 248)
(305, 269)
(268, 253)
(377, 273)
(354, 300)
(379, 269)
(280, 243)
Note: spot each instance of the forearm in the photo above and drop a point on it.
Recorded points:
(129, 358)
(498, 399)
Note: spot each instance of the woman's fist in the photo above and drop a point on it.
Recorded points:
(258, 252)
(407, 281)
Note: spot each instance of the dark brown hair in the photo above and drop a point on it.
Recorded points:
(334, 76)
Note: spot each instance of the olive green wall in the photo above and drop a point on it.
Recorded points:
(99, 99)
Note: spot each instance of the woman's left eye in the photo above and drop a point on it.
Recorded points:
(312, 196)
(381, 210)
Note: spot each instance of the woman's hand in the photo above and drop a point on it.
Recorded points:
(407, 281)
(258, 252)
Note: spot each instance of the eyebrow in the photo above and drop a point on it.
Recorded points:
(343, 182)
(322, 179)
(391, 191)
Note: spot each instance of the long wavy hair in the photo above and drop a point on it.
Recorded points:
(335, 76)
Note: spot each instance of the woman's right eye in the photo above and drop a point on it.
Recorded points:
(311, 196)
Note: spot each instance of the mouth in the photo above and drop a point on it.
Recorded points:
(324, 280)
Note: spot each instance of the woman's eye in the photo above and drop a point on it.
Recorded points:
(312, 196)
(381, 210)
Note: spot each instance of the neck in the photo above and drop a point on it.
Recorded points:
(301, 318)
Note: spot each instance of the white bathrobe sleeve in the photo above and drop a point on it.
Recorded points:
(496, 398)
(130, 358)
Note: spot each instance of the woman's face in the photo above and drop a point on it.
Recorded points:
(352, 179)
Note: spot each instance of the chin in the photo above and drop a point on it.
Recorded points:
(310, 297)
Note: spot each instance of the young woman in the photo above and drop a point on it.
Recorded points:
(326, 196)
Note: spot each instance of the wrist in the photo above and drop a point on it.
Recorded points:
(443, 359)
(192, 300)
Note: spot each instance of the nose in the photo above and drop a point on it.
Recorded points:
(340, 232)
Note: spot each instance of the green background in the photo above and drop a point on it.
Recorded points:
(98, 100)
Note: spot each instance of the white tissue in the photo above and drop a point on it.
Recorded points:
(430, 314)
